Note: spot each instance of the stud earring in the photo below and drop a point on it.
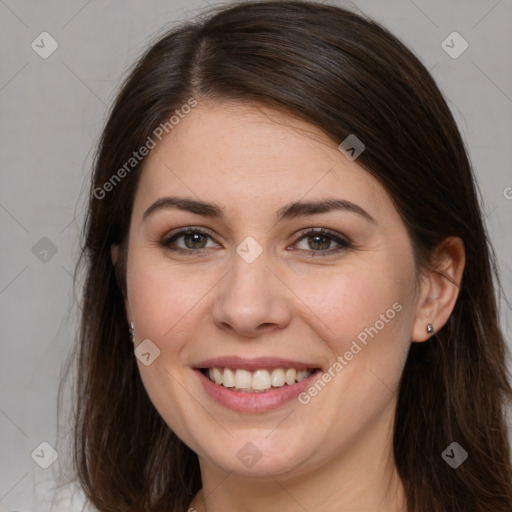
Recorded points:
(132, 331)
(430, 329)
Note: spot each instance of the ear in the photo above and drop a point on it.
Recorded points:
(439, 288)
(114, 254)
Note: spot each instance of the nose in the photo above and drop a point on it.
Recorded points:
(251, 300)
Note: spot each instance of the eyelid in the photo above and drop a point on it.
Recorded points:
(343, 241)
(175, 234)
(322, 231)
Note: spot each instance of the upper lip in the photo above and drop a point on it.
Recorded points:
(252, 364)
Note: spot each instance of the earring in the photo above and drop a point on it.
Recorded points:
(430, 329)
(131, 331)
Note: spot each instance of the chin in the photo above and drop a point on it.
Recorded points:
(259, 456)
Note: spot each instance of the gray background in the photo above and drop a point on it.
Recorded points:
(51, 115)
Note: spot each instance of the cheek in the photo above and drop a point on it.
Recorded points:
(162, 299)
(161, 294)
(367, 310)
(354, 298)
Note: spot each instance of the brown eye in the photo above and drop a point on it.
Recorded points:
(319, 242)
(194, 239)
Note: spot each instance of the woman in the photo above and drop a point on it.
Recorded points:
(289, 299)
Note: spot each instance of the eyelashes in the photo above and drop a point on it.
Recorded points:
(319, 236)
(186, 233)
(323, 234)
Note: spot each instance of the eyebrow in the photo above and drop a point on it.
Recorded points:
(290, 211)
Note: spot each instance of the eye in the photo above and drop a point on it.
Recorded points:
(194, 239)
(319, 242)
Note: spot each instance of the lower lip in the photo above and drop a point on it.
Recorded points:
(254, 402)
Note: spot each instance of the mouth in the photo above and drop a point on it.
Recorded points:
(255, 385)
(263, 380)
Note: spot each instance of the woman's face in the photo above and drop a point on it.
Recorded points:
(250, 293)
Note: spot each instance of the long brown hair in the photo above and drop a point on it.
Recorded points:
(345, 74)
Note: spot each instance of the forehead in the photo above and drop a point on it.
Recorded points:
(237, 154)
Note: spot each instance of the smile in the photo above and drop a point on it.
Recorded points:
(259, 381)
(254, 385)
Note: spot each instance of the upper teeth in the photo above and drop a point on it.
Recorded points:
(260, 380)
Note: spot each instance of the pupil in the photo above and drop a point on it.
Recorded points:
(316, 239)
(195, 239)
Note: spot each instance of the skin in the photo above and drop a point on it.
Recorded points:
(334, 453)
